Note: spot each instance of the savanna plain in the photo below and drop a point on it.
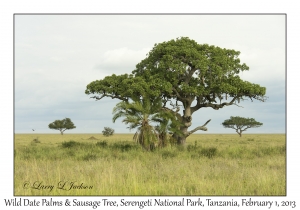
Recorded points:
(92, 164)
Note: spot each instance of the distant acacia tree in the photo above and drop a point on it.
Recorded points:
(108, 131)
(241, 124)
(62, 125)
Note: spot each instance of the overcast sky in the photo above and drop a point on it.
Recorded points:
(56, 56)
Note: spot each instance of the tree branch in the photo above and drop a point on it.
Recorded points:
(111, 96)
(98, 98)
(245, 128)
(175, 113)
(238, 105)
(214, 106)
(177, 94)
(198, 128)
(190, 73)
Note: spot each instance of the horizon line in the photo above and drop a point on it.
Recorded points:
(133, 133)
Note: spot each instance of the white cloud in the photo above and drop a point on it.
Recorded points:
(55, 59)
(121, 60)
(265, 65)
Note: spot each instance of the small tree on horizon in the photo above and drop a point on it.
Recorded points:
(108, 131)
(62, 125)
(240, 124)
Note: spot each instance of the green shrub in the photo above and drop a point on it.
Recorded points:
(101, 144)
(192, 147)
(208, 152)
(70, 144)
(108, 131)
(124, 146)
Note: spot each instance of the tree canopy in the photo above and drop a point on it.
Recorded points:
(62, 125)
(181, 72)
(240, 124)
(107, 131)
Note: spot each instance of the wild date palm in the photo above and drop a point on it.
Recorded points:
(167, 128)
(142, 115)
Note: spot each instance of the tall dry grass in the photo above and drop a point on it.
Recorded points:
(207, 165)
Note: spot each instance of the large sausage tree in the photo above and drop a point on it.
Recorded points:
(181, 72)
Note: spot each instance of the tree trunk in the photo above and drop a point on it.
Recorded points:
(181, 139)
(239, 132)
(186, 120)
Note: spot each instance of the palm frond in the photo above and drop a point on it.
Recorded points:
(140, 114)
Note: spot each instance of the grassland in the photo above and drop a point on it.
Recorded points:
(221, 164)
